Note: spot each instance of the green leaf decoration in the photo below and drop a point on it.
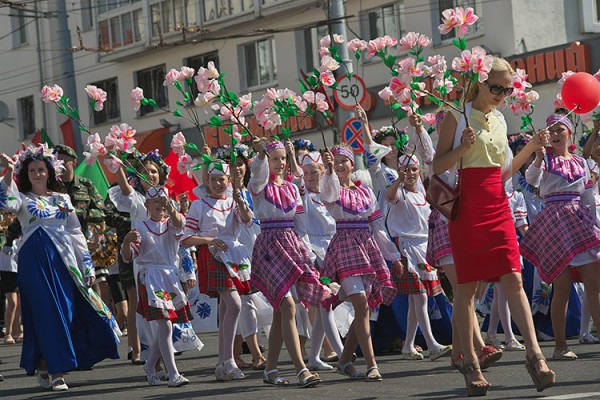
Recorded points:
(215, 122)
(130, 170)
(144, 101)
(475, 77)
(228, 129)
(160, 294)
(189, 81)
(338, 58)
(333, 50)
(463, 43)
(395, 106)
(316, 72)
(357, 54)
(334, 86)
(206, 159)
(92, 103)
(349, 75)
(302, 86)
(177, 84)
(32, 219)
(276, 137)
(233, 98)
(285, 131)
(456, 42)
(61, 109)
(435, 100)
(243, 266)
(187, 97)
(401, 114)
(414, 86)
(191, 146)
(75, 271)
(395, 73)
(312, 81)
(325, 280)
(177, 113)
(233, 155)
(180, 104)
(152, 103)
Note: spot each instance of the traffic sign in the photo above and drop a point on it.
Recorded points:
(351, 135)
(350, 91)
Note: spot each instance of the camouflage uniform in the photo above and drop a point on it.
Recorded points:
(122, 224)
(89, 205)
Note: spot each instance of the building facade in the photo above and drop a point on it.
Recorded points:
(120, 44)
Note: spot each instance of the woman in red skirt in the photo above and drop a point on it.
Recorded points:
(483, 239)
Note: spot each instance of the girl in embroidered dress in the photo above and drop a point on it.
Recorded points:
(320, 228)
(483, 238)
(154, 244)
(281, 266)
(65, 323)
(407, 225)
(214, 224)
(564, 234)
(354, 258)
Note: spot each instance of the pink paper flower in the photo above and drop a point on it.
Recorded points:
(438, 66)
(327, 78)
(96, 94)
(462, 63)
(429, 118)
(246, 102)
(185, 73)
(121, 137)
(185, 164)
(51, 94)
(467, 18)
(521, 102)
(374, 46)
(94, 144)
(177, 143)
(399, 84)
(212, 71)
(389, 41)
(137, 95)
(449, 21)
(558, 103)
(441, 83)
(564, 77)
(171, 77)
(357, 45)
(328, 63)
(323, 51)
(318, 99)
(407, 66)
(519, 80)
(412, 40)
(481, 63)
(386, 94)
(203, 99)
(326, 40)
(113, 163)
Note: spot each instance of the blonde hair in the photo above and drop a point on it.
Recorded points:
(499, 65)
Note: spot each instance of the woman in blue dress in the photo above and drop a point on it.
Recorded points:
(66, 325)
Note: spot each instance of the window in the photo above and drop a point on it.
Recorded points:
(259, 63)
(446, 4)
(311, 45)
(385, 21)
(589, 11)
(26, 116)
(121, 23)
(151, 81)
(201, 60)
(215, 9)
(111, 110)
(172, 15)
(19, 27)
(87, 20)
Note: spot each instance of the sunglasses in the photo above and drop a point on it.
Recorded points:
(499, 89)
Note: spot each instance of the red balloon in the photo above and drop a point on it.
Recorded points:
(581, 93)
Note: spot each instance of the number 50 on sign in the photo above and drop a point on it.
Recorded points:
(350, 91)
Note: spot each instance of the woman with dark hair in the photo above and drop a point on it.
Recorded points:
(72, 327)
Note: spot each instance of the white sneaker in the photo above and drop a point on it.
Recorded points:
(588, 338)
(318, 365)
(153, 379)
(180, 380)
(43, 382)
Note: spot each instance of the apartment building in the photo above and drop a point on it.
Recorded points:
(120, 44)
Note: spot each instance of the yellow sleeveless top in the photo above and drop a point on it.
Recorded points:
(490, 140)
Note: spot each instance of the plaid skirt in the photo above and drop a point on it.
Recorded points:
(438, 242)
(279, 260)
(558, 233)
(408, 282)
(354, 252)
(153, 313)
(213, 277)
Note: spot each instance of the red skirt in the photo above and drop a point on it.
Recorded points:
(213, 276)
(483, 237)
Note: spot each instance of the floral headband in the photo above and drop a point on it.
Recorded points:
(224, 152)
(386, 131)
(157, 192)
(515, 141)
(274, 146)
(561, 119)
(40, 153)
(344, 152)
(218, 168)
(155, 157)
(304, 144)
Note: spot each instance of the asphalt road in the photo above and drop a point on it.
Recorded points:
(402, 379)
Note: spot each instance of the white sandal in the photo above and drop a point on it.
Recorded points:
(309, 381)
(59, 384)
(277, 381)
(343, 369)
(43, 382)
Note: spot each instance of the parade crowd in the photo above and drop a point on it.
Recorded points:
(283, 226)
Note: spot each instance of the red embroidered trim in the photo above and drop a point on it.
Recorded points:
(154, 233)
(216, 209)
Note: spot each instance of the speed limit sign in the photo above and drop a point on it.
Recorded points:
(350, 91)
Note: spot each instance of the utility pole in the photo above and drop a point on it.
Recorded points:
(336, 12)
(65, 71)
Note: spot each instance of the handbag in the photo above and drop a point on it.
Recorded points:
(443, 198)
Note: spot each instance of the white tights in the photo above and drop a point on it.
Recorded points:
(229, 312)
(418, 316)
(324, 325)
(163, 347)
(500, 311)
